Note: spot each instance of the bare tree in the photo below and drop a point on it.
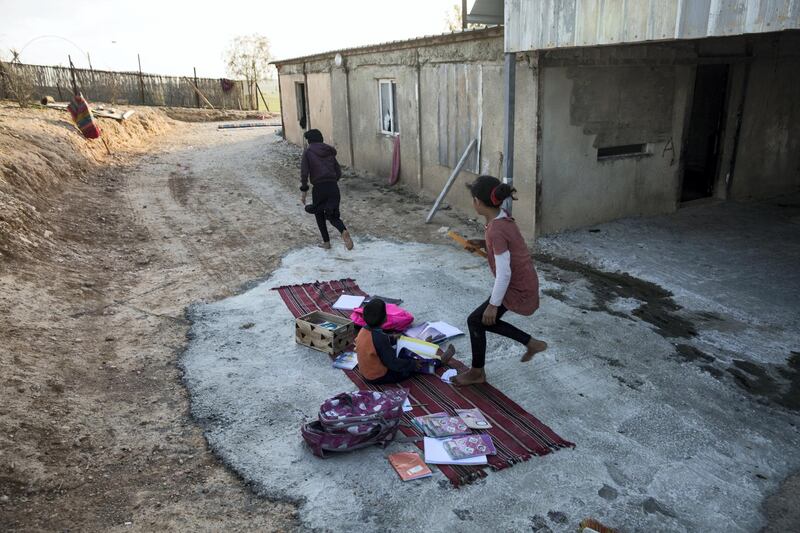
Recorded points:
(248, 57)
(452, 21)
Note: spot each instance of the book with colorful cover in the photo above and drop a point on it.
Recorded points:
(473, 418)
(346, 361)
(440, 425)
(470, 446)
(409, 466)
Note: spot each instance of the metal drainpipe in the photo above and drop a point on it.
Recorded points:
(509, 96)
(349, 110)
(419, 125)
(305, 97)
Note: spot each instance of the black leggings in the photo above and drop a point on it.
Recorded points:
(477, 333)
(391, 376)
(325, 206)
(327, 216)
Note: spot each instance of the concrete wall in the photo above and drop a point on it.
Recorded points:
(353, 87)
(603, 98)
(292, 130)
(320, 111)
(768, 158)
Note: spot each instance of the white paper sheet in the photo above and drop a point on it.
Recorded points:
(435, 454)
(347, 302)
(449, 374)
(448, 330)
(407, 406)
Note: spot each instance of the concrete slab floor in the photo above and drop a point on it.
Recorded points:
(669, 438)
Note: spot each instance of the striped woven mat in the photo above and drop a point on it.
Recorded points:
(516, 434)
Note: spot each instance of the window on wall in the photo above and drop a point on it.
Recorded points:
(300, 99)
(625, 150)
(387, 100)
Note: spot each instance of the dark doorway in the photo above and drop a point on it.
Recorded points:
(704, 142)
(300, 98)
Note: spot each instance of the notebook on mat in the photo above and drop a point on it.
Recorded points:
(436, 454)
(409, 465)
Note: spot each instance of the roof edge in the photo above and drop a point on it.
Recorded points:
(428, 40)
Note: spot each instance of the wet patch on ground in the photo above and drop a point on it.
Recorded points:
(658, 308)
(690, 354)
(761, 380)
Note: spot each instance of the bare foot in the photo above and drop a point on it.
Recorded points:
(448, 354)
(473, 376)
(348, 242)
(534, 346)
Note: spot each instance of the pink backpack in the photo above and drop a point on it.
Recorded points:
(353, 420)
(397, 318)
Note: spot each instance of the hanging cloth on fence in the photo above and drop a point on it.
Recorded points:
(227, 85)
(82, 115)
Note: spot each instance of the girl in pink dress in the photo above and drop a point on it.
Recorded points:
(516, 286)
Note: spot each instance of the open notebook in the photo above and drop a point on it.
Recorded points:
(437, 331)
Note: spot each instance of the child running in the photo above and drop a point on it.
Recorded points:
(377, 358)
(516, 285)
(319, 164)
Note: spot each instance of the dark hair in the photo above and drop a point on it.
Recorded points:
(375, 313)
(313, 136)
(491, 191)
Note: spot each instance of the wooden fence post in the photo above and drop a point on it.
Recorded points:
(196, 96)
(141, 80)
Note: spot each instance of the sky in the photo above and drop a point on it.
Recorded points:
(174, 36)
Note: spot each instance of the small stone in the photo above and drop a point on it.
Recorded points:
(4, 498)
(608, 493)
(651, 506)
(558, 517)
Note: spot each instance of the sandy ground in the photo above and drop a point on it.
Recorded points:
(95, 426)
(95, 432)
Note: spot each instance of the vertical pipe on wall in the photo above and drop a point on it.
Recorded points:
(419, 123)
(349, 111)
(509, 95)
(305, 97)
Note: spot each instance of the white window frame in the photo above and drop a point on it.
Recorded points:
(392, 83)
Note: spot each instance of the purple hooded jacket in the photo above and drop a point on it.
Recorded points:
(319, 164)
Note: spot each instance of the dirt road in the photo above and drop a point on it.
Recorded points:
(95, 432)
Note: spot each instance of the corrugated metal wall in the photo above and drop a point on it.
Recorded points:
(543, 24)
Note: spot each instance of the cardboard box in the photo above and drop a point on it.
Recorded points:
(334, 339)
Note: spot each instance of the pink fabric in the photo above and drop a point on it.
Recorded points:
(522, 296)
(395, 161)
(397, 318)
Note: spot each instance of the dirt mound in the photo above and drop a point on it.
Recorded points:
(188, 114)
(41, 151)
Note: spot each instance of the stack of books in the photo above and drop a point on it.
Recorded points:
(450, 441)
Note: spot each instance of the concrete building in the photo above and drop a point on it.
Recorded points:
(607, 109)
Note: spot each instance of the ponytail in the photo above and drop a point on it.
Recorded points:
(491, 191)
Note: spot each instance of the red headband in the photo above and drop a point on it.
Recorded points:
(493, 198)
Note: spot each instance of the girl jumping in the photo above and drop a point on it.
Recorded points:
(516, 285)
